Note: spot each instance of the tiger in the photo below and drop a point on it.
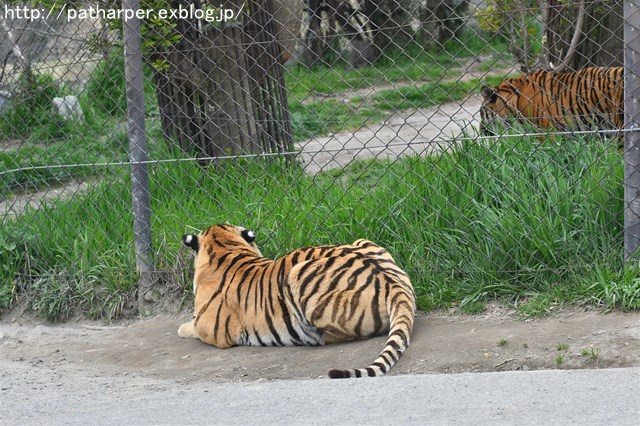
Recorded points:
(309, 297)
(584, 100)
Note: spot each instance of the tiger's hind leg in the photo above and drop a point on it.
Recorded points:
(343, 309)
(345, 315)
(351, 315)
(355, 296)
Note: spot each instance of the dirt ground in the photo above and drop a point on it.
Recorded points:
(442, 343)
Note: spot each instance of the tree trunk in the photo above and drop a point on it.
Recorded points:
(25, 63)
(598, 41)
(223, 92)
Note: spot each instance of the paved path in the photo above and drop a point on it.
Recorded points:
(594, 397)
(421, 132)
(142, 373)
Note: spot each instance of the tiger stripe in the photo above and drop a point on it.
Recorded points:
(587, 99)
(311, 296)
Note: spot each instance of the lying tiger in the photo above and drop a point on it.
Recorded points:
(588, 99)
(310, 296)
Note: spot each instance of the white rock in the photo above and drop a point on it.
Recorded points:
(69, 108)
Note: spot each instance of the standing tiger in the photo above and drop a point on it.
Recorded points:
(588, 99)
(308, 297)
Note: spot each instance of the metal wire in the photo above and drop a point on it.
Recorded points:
(312, 116)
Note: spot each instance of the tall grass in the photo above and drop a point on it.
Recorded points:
(517, 220)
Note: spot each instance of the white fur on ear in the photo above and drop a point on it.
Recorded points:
(191, 241)
(249, 236)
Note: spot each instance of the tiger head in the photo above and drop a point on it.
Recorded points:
(498, 109)
(219, 239)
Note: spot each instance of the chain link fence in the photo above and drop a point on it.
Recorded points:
(313, 122)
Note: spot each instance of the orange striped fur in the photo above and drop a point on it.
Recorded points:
(588, 99)
(310, 296)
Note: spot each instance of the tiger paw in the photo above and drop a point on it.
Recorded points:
(186, 330)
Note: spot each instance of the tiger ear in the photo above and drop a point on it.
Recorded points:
(249, 236)
(191, 241)
(488, 93)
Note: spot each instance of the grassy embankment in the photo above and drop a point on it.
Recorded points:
(528, 223)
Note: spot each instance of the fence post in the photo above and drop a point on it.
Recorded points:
(632, 122)
(137, 149)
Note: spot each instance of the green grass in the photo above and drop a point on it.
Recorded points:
(322, 117)
(29, 115)
(44, 144)
(428, 94)
(316, 118)
(414, 64)
(53, 253)
(609, 288)
(591, 354)
(516, 220)
(427, 75)
(47, 140)
(30, 110)
(32, 166)
(535, 225)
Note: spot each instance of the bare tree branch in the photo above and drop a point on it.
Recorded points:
(15, 49)
(575, 40)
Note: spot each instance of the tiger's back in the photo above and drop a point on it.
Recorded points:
(588, 99)
(311, 296)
